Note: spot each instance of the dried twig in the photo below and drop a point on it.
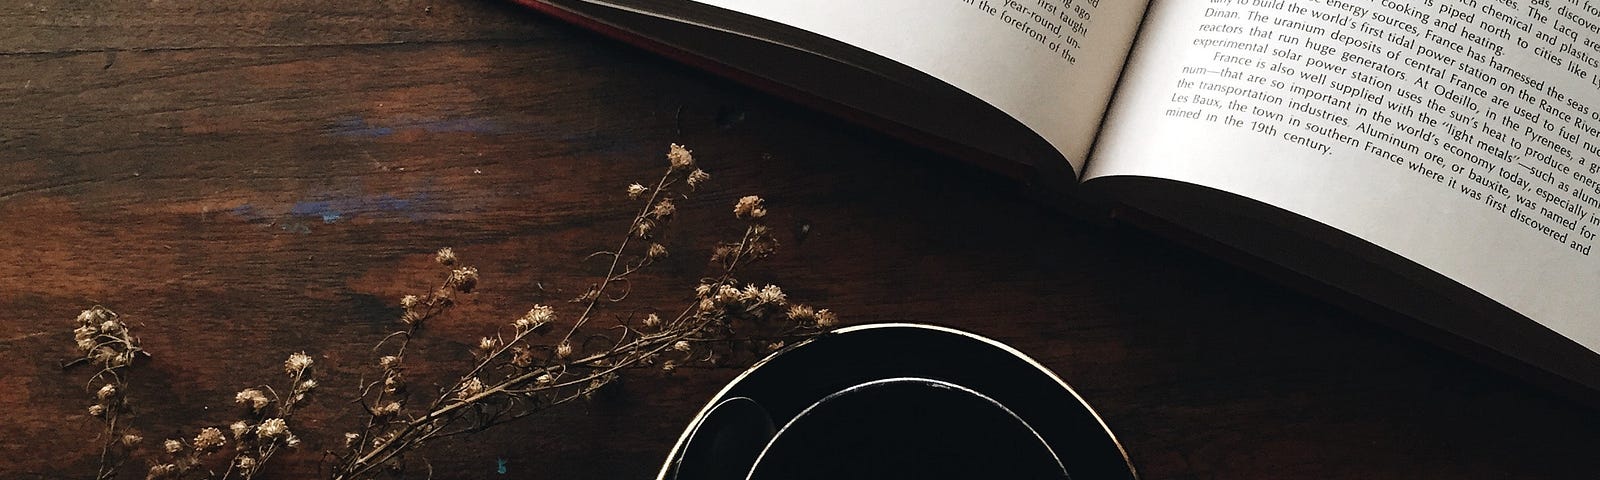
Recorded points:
(515, 376)
(103, 340)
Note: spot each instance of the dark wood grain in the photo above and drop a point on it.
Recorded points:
(243, 180)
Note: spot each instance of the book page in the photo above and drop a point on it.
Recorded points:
(1051, 64)
(1462, 134)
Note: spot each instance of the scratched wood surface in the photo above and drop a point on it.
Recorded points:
(243, 180)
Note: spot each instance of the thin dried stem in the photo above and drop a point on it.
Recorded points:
(513, 377)
(616, 256)
(103, 339)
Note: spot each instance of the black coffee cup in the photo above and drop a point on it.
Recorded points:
(897, 401)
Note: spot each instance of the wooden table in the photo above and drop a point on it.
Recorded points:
(243, 180)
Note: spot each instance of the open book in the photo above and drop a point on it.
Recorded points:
(1438, 158)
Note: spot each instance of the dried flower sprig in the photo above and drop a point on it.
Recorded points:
(181, 459)
(515, 377)
(384, 398)
(103, 340)
(256, 438)
(265, 430)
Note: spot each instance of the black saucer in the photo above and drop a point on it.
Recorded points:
(897, 401)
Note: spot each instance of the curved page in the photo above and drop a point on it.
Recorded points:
(1462, 135)
(1051, 64)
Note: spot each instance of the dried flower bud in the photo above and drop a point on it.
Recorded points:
(652, 321)
(487, 345)
(545, 379)
(592, 294)
(446, 256)
(472, 387)
(389, 362)
(727, 294)
(272, 428)
(703, 289)
(131, 439)
(210, 438)
(680, 158)
(172, 445)
(564, 349)
(291, 441)
(826, 318)
(771, 294)
(387, 409)
(722, 253)
(536, 317)
(161, 471)
(97, 410)
(122, 359)
(252, 397)
(411, 317)
(106, 392)
(350, 439)
(521, 356)
(750, 208)
(635, 190)
(762, 246)
(664, 208)
(657, 251)
(668, 366)
(775, 346)
(409, 301)
(246, 464)
(111, 327)
(239, 429)
(297, 363)
(643, 228)
(394, 382)
(802, 314)
(462, 279)
(697, 177)
(306, 385)
(95, 315)
(681, 345)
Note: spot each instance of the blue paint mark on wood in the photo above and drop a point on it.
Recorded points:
(357, 127)
(322, 209)
(360, 127)
(500, 466)
(333, 210)
(335, 207)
